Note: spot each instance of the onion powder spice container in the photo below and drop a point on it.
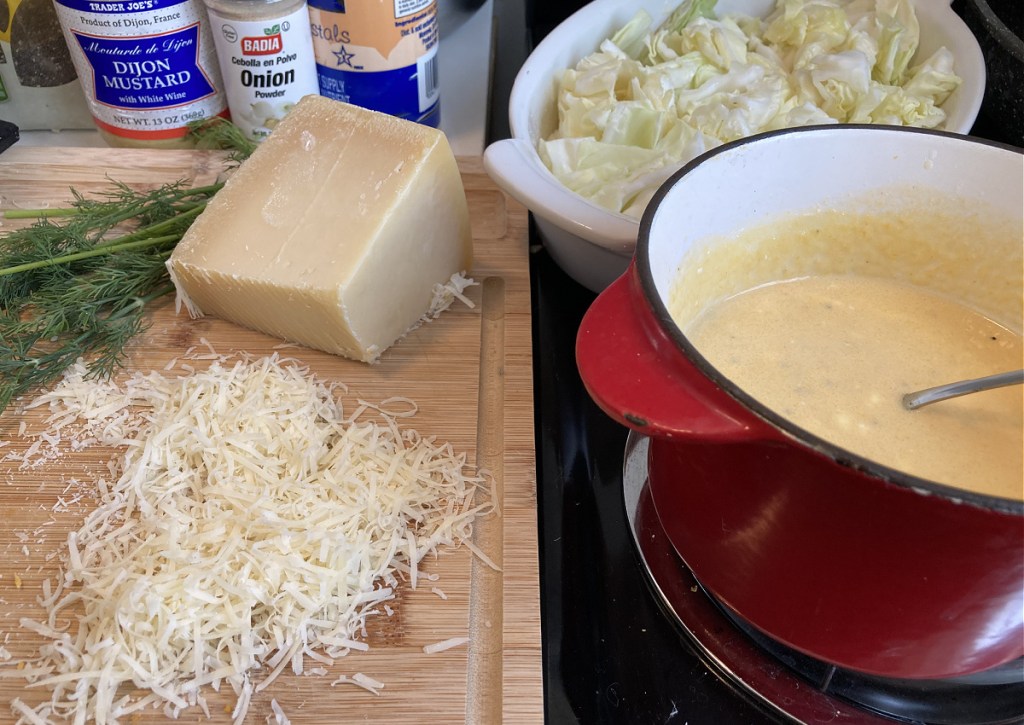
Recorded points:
(265, 51)
(147, 67)
(379, 55)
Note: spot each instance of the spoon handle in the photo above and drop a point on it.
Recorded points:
(912, 401)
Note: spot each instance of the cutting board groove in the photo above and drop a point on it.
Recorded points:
(483, 702)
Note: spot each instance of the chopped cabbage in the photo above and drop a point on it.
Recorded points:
(651, 99)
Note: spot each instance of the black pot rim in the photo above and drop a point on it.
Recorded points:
(800, 435)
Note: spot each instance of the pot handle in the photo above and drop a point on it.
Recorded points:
(515, 167)
(635, 373)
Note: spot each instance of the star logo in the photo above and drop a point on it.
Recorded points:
(344, 57)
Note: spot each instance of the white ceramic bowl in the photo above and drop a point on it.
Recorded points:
(594, 245)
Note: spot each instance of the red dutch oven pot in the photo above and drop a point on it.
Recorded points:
(836, 556)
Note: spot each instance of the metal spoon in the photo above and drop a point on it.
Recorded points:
(912, 401)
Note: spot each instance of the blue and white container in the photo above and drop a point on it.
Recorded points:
(148, 67)
(379, 55)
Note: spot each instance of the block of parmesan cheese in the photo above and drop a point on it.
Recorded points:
(333, 234)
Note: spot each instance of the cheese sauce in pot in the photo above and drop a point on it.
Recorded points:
(829, 318)
(835, 354)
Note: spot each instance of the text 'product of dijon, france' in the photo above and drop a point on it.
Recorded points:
(147, 68)
(379, 55)
(337, 233)
(266, 57)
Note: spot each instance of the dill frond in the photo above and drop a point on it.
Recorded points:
(218, 133)
(76, 283)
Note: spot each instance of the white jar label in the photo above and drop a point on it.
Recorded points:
(267, 66)
(147, 66)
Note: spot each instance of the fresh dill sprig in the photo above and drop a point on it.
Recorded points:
(76, 283)
(218, 133)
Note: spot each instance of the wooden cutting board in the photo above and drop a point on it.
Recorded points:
(470, 373)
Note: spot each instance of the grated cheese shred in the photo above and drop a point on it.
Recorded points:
(252, 524)
(445, 294)
(447, 644)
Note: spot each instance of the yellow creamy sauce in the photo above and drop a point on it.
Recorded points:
(834, 353)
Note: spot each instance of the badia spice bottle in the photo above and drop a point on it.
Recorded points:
(379, 55)
(147, 67)
(266, 58)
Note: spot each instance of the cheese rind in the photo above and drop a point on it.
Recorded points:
(332, 234)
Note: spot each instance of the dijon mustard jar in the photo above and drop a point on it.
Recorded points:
(148, 68)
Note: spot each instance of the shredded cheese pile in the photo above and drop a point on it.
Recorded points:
(254, 524)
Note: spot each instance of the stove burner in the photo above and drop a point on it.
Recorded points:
(793, 685)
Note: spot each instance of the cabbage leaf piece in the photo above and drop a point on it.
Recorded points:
(650, 99)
